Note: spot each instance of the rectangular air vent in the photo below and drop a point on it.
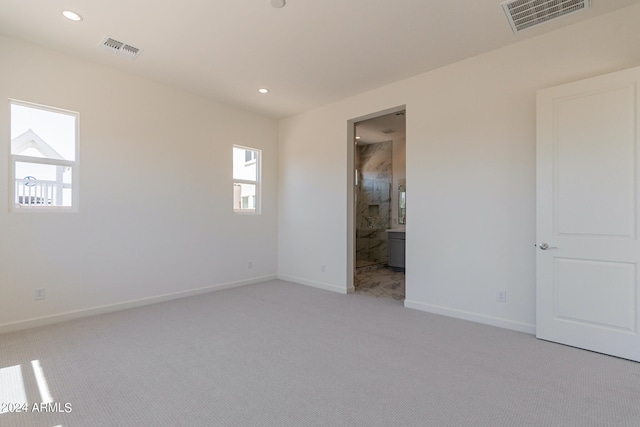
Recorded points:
(115, 46)
(523, 14)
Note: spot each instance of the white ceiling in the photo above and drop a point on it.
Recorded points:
(381, 129)
(309, 53)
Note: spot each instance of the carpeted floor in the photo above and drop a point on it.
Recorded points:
(280, 354)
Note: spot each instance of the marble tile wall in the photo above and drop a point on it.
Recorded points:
(373, 209)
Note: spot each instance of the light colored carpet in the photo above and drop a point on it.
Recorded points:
(280, 354)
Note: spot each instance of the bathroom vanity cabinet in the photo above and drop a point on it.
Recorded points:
(396, 249)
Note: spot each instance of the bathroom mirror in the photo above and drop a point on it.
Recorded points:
(402, 204)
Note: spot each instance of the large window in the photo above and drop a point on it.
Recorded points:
(44, 158)
(246, 179)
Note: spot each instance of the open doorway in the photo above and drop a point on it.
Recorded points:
(379, 205)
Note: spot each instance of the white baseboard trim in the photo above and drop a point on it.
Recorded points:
(76, 314)
(325, 286)
(473, 317)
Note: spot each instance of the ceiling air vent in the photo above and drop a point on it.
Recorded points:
(115, 46)
(523, 14)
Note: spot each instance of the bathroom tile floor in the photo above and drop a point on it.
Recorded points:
(380, 283)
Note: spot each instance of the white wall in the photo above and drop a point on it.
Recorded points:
(312, 226)
(470, 172)
(155, 194)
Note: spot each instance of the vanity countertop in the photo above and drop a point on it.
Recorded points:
(395, 230)
(396, 234)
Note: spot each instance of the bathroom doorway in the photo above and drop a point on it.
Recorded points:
(379, 205)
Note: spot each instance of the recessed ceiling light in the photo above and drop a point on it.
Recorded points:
(278, 3)
(357, 137)
(263, 90)
(70, 14)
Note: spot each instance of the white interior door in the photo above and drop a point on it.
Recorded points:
(587, 214)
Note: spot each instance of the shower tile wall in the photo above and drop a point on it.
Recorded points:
(373, 214)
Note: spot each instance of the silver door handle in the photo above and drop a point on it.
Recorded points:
(545, 246)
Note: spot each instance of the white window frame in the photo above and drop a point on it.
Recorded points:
(258, 195)
(73, 164)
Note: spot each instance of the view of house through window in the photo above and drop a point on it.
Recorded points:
(246, 179)
(44, 147)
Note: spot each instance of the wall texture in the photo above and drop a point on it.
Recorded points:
(155, 217)
(470, 172)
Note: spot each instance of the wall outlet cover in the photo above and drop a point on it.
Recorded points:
(501, 296)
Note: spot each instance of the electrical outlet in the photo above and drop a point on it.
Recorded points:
(38, 293)
(323, 268)
(501, 296)
(250, 265)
